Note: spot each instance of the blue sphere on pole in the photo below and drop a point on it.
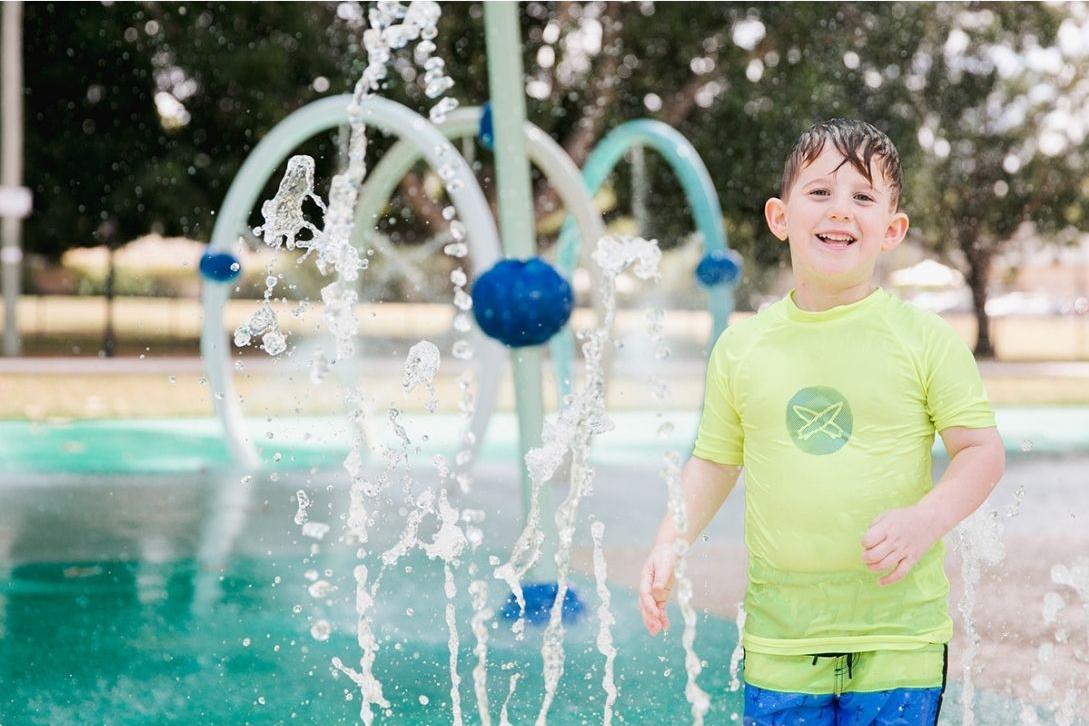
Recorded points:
(522, 302)
(220, 266)
(719, 267)
(486, 132)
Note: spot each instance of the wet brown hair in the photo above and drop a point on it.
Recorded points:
(857, 141)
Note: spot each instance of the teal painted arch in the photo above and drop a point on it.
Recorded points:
(695, 182)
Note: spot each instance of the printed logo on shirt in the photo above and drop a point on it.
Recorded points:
(819, 420)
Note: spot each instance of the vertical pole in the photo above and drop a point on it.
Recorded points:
(11, 172)
(506, 86)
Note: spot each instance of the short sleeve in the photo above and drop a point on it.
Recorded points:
(721, 437)
(955, 395)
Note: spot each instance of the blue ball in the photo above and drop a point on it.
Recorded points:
(220, 266)
(486, 132)
(539, 597)
(718, 267)
(522, 302)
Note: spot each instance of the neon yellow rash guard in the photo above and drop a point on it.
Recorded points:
(833, 416)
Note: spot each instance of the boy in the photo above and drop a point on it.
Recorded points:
(830, 400)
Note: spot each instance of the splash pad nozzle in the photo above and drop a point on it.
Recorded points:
(539, 598)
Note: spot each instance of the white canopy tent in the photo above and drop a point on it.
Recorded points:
(928, 273)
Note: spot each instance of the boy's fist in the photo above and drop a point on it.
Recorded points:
(896, 540)
(655, 584)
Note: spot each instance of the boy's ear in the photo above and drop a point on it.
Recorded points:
(775, 214)
(895, 232)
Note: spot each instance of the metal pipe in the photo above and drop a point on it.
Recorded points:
(506, 87)
(328, 113)
(698, 189)
(16, 199)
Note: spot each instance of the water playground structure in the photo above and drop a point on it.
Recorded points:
(718, 270)
(520, 302)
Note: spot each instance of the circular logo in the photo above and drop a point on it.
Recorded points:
(819, 420)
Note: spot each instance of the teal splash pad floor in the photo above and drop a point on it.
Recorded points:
(180, 445)
(143, 598)
(132, 643)
(129, 643)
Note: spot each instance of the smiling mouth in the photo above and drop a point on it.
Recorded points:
(836, 241)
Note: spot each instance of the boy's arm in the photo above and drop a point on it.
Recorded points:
(705, 485)
(897, 539)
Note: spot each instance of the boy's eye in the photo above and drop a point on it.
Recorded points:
(821, 192)
(864, 197)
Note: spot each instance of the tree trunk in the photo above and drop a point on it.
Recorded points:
(109, 339)
(979, 264)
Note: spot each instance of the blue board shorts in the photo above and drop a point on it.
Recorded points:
(877, 688)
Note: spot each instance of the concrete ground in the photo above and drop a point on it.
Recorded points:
(1022, 653)
(40, 389)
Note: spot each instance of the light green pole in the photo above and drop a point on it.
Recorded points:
(506, 86)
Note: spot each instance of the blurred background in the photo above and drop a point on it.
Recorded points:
(138, 115)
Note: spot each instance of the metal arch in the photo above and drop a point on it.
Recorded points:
(391, 118)
(557, 167)
(698, 189)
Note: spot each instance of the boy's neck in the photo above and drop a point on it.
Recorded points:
(815, 299)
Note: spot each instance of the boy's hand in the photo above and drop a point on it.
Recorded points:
(896, 540)
(655, 584)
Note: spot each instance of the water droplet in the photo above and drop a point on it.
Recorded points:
(274, 342)
(438, 86)
(320, 630)
(456, 249)
(462, 350)
(462, 299)
(315, 530)
(438, 112)
(320, 589)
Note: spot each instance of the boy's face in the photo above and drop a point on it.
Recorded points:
(837, 221)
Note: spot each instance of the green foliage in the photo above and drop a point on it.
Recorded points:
(103, 165)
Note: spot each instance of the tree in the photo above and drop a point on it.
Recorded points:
(1000, 108)
(139, 115)
(177, 95)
